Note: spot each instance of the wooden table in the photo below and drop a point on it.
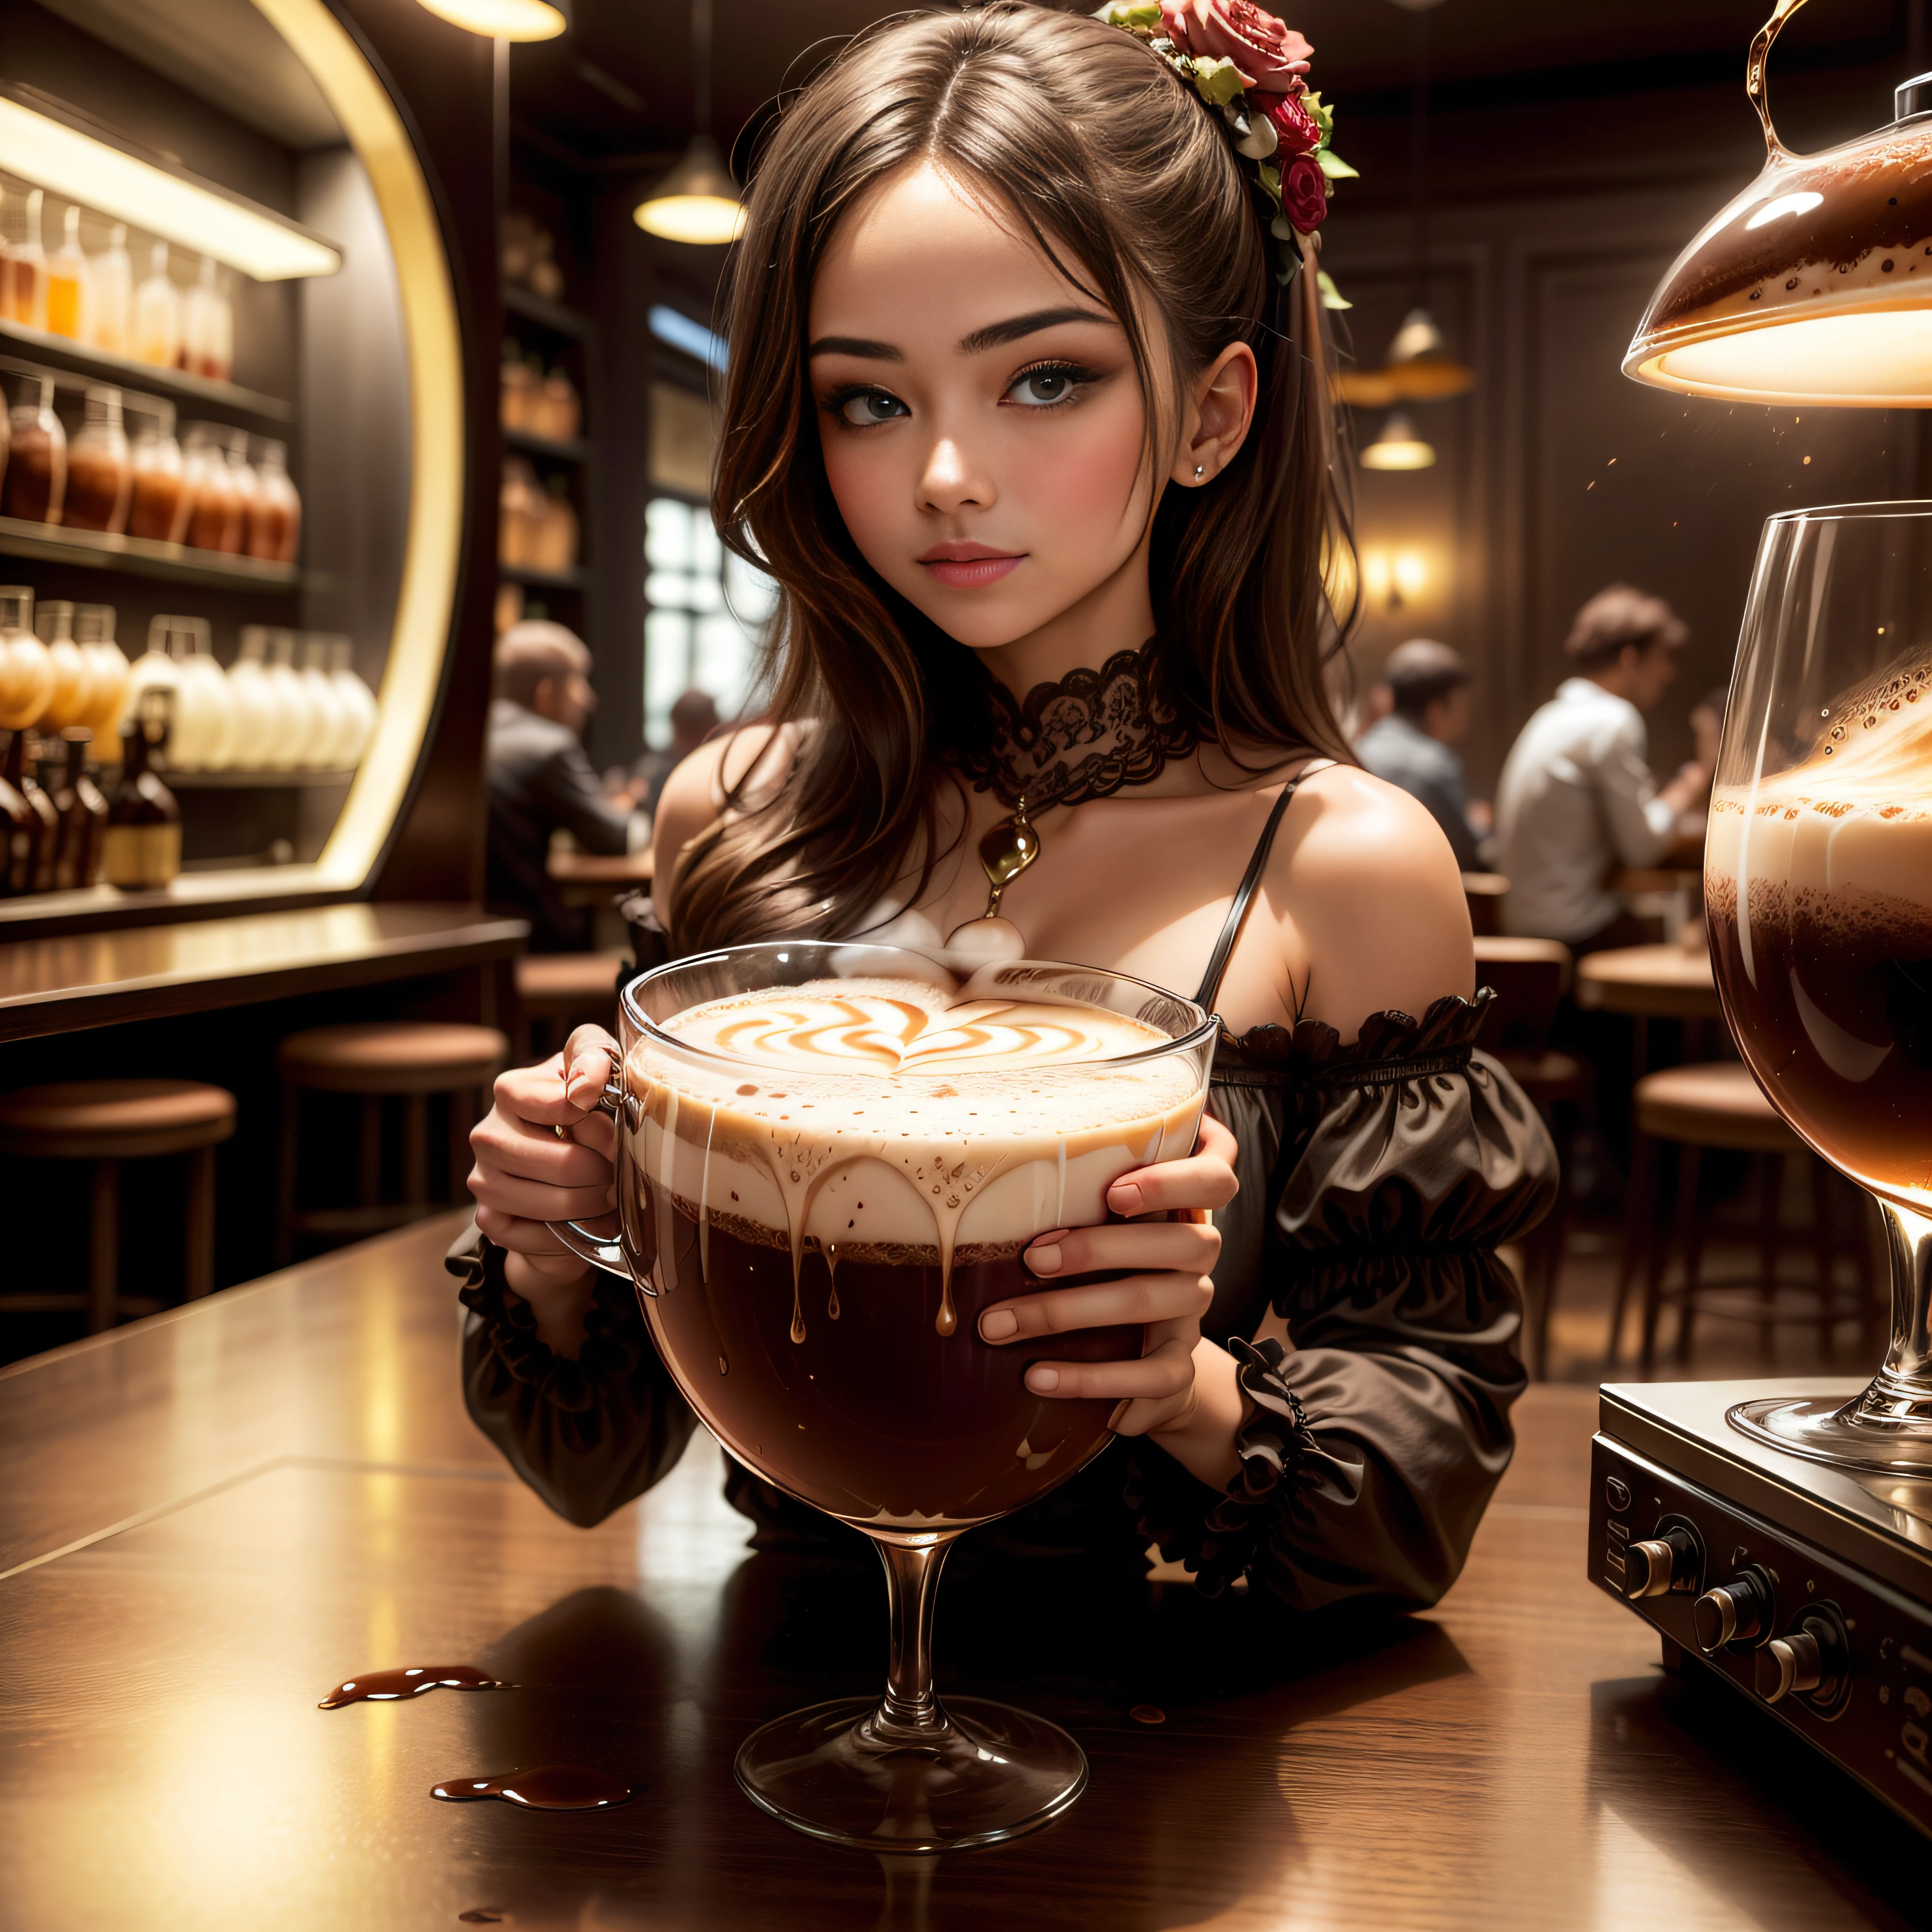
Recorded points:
(590, 878)
(63, 984)
(210, 1518)
(1649, 981)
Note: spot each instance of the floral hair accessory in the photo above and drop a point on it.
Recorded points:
(1248, 67)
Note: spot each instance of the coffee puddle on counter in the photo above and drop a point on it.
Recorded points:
(545, 1787)
(381, 1687)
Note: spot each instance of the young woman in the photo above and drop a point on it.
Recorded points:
(1035, 441)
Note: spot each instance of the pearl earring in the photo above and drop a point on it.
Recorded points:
(1200, 470)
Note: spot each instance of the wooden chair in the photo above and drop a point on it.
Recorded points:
(558, 990)
(1485, 892)
(107, 1122)
(374, 1061)
(1717, 1104)
(1530, 977)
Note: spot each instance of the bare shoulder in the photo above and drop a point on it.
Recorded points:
(695, 792)
(1373, 891)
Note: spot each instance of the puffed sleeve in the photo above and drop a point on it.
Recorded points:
(587, 1435)
(1373, 1440)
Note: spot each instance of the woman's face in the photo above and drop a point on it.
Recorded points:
(983, 430)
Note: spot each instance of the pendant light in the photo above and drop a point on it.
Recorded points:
(1398, 447)
(1815, 284)
(504, 19)
(697, 201)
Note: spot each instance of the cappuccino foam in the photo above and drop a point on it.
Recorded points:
(876, 1119)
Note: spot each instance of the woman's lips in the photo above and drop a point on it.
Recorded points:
(970, 571)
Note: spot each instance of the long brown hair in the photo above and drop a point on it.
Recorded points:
(1132, 188)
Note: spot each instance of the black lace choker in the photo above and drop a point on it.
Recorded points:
(1087, 736)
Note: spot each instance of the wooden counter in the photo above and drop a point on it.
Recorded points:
(101, 978)
(209, 1518)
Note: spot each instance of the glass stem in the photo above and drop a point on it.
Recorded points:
(1907, 1374)
(910, 1712)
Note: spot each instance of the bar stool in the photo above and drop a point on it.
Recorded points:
(1530, 977)
(560, 990)
(1717, 1104)
(107, 1122)
(373, 1060)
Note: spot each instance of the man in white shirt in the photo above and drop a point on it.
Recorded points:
(1577, 797)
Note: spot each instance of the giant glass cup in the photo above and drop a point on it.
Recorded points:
(1818, 888)
(848, 1370)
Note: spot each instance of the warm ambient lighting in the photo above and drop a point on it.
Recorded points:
(1815, 284)
(1393, 578)
(1418, 368)
(92, 168)
(504, 19)
(1398, 447)
(697, 202)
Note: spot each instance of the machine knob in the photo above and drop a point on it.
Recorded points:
(1809, 1659)
(1733, 1612)
(1660, 1564)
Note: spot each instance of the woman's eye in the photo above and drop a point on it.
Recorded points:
(1041, 388)
(870, 407)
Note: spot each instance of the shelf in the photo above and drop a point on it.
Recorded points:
(228, 781)
(140, 556)
(552, 315)
(576, 452)
(125, 373)
(578, 579)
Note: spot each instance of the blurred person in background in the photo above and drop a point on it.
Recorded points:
(1413, 745)
(694, 718)
(541, 782)
(1577, 797)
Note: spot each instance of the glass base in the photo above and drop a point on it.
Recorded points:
(983, 1773)
(1887, 1429)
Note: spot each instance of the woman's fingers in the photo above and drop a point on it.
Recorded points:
(590, 1055)
(1192, 1246)
(1205, 1179)
(1134, 1301)
(533, 1152)
(537, 1201)
(1165, 1371)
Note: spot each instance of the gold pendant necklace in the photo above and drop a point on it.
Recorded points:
(1005, 851)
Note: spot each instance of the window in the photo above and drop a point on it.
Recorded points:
(709, 610)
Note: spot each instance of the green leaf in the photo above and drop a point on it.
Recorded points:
(1324, 116)
(1331, 296)
(1218, 81)
(1332, 165)
(1270, 172)
(1130, 14)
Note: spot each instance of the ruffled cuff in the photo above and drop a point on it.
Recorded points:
(1216, 1537)
(614, 1339)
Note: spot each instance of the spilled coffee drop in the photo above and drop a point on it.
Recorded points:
(381, 1687)
(548, 1787)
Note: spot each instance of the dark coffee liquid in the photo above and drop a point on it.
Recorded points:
(1835, 1020)
(844, 1391)
(377, 1687)
(549, 1787)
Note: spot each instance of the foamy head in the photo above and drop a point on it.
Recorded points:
(1853, 817)
(877, 1117)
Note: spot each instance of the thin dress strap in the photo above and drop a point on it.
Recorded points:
(1244, 893)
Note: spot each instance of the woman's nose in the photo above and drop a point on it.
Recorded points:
(952, 480)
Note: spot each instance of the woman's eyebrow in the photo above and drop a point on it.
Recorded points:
(997, 335)
(855, 345)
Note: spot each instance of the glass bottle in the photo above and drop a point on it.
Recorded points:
(27, 265)
(79, 804)
(140, 843)
(157, 313)
(274, 517)
(154, 669)
(359, 703)
(208, 327)
(288, 743)
(110, 313)
(107, 664)
(204, 727)
(26, 669)
(329, 725)
(518, 510)
(517, 383)
(71, 700)
(100, 470)
(68, 281)
(214, 517)
(558, 533)
(562, 411)
(159, 503)
(246, 487)
(46, 820)
(35, 484)
(257, 709)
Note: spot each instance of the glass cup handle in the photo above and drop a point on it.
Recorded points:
(601, 1251)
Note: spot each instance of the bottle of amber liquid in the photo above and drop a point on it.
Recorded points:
(140, 844)
(80, 806)
(44, 830)
(19, 827)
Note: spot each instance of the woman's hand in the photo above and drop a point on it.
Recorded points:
(1166, 1293)
(543, 1153)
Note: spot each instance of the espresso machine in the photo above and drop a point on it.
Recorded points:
(1780, 1534)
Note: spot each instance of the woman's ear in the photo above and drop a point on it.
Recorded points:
(1220, 406)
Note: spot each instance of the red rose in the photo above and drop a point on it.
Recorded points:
(1292, 122)
(1269, 53)
(1304, 194)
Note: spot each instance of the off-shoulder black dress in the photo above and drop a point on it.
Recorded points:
(1377, 1181)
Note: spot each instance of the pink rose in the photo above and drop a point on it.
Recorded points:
(1292, 122)
(1304, 194)
(1269, 53)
